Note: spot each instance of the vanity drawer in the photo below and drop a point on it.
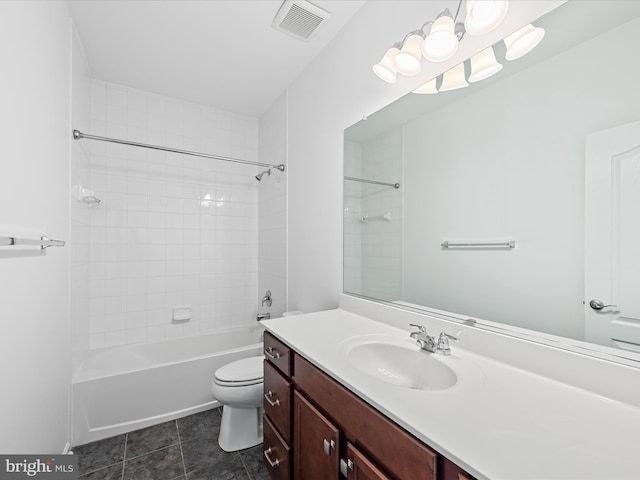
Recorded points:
(276, 452)
(277, 353)
(277, 400)
(391, 447)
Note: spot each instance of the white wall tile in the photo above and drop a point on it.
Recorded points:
(156, 240)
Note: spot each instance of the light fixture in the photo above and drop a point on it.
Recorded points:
(408, 59)
(438, 41)
(427, 88)
(483, 65)
(523, 41)
(454, 79)
(442, 42)
(386, 68)
(484, 15)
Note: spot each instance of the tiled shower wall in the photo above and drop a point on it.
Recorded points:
(171, 230)
(373, 217)
(352, 216)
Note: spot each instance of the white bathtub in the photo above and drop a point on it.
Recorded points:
(120, 389)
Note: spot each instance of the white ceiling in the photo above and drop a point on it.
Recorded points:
(220, 53)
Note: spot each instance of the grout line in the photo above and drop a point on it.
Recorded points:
(184, 465)
(124, 454)
(246, 470)
(150, 451)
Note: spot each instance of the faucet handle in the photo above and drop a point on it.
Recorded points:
(443, 343)
(421, 328)
(267, 299)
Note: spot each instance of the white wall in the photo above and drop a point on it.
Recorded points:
(336, 91)
(172, 229)
(272, 209)
(35, 46)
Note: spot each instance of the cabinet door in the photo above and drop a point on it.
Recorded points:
(358, 467)
(451, 471)
(315, 443)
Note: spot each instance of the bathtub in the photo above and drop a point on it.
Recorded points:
(120, 389)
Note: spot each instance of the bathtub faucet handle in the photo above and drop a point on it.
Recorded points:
(267, 299)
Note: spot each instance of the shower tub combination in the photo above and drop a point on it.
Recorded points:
(120, 389)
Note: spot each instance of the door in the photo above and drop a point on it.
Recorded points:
(315, 443)
(612, 237)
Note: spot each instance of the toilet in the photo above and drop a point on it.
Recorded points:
(239, 387)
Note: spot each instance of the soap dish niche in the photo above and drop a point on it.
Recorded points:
(182, 313)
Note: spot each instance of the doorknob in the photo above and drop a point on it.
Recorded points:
(599, 304)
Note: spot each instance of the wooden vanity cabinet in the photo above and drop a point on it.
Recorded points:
(316, 429)
(385, 444)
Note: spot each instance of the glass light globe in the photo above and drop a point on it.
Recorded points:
(441, 43)
(484, 15)
(386, 69)
(408, 59)
(483, 65)
(523, 41)
(454, 79)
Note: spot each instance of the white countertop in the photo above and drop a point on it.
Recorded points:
(497, 422)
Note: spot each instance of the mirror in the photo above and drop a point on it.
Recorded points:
(500, 161)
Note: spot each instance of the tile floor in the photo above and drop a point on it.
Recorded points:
(183, 449)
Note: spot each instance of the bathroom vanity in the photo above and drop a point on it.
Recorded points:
(316, 428)
(330, 411)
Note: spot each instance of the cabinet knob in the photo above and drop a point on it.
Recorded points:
(345, 466)
(328, 446)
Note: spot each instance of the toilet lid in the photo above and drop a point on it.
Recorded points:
(247, 371)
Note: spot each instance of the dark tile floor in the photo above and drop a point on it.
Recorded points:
(183, 449)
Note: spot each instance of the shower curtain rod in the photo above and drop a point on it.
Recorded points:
(77, 135)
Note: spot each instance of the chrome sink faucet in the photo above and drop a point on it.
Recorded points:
(423, 339)
(428, 343)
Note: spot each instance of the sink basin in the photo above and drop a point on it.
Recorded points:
(399, 362)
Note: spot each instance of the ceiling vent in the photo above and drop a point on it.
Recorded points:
(299, 18)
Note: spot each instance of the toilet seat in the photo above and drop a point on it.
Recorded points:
(241, 373)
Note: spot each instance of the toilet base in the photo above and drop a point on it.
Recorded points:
(240, 428)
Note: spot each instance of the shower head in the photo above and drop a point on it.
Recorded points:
(259, 176)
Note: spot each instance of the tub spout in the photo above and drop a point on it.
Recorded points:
(263, 316)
